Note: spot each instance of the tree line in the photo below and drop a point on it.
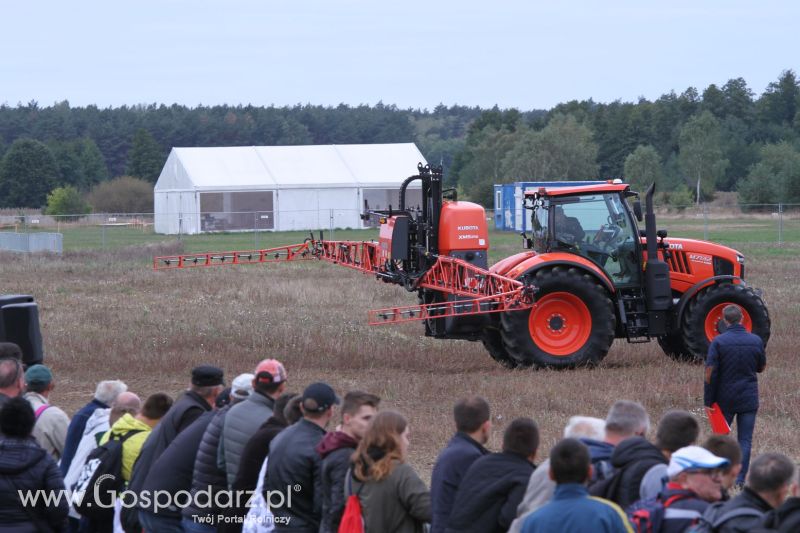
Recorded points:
(691, 144)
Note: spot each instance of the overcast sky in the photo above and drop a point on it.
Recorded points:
(523, 54)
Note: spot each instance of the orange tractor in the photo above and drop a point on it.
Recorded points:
(588, 275)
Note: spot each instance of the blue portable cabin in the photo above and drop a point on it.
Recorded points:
(509, 215)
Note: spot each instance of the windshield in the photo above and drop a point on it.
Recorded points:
(598, 227)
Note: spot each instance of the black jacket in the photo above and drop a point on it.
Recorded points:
(253, 456)
(207, 476)
(489, 494)
(183, 412)
(172, 471)
(786, 518)
(632, 458)
(335, 450)
(25, 466)
(294, 463)
(743, 523)
(451, 465)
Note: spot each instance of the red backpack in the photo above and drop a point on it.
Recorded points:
(352, 518)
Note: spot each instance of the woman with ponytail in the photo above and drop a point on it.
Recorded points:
(393, 497)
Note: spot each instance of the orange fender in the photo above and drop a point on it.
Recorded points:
(558, 258)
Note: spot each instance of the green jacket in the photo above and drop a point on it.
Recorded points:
(400, 503)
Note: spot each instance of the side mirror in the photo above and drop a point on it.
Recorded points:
(637, 210)
(400, 240)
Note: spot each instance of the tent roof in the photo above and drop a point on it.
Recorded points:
(287, 167)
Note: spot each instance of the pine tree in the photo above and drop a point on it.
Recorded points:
(145, 158)
(27, 173)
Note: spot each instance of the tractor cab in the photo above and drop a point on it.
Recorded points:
(591, 221)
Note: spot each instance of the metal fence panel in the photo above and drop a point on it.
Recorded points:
(31, 242)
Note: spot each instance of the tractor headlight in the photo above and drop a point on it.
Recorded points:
(740, 260)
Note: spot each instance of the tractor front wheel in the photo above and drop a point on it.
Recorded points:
(572, 324)
(702, 320)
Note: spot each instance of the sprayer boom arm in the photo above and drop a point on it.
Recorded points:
(487, 292)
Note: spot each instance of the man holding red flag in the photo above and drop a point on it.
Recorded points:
(735, 357)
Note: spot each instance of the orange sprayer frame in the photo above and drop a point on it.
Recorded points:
(487, 292)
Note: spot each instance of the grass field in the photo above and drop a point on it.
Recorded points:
(107, 314)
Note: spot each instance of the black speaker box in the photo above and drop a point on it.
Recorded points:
(19, 323)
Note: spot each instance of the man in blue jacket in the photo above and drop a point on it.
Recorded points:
(734, 359)
(572, 510)
(473, 426)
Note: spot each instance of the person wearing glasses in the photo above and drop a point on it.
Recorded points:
(695, 482)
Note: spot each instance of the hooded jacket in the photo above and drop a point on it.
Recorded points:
(451, 465)
(631, 459)
(240, 424)
(335, 449)
(490, 493)
(132, 447)
(25, 466)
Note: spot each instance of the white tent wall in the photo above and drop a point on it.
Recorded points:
(280, 187)
(302, 209)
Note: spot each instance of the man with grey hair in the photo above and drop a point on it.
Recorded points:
(104, 395)
(735, 358)
(590, 431)
(768, 485)
(12, 379)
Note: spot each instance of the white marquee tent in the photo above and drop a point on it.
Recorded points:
(280, 187)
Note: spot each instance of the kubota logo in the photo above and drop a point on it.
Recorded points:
(467, 228)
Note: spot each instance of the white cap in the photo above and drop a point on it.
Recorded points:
(242, 386)
(692, 458)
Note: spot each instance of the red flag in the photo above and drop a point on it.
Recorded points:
(719, 425)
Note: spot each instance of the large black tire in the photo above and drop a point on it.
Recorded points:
(493, 342)
(709, 300)
(581, 315)
(675, 347)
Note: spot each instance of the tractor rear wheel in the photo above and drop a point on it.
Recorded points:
(572, 324)
(702, 320)
(493, 342)
(675, 347)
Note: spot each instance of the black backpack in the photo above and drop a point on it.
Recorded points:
(714, 517)
(100, 479)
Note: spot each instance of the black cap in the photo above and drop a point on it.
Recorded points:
(206, 376)
(318, 397)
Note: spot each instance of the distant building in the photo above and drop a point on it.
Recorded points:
(239, 188)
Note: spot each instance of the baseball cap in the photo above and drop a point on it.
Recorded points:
(270, 371)
(318, 397)
(694, 458)
(242, 386)
(39, 374)
(206, 376)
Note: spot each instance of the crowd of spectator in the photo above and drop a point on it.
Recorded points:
(310, 460)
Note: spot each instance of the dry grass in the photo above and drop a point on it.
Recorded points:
(110, 316)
